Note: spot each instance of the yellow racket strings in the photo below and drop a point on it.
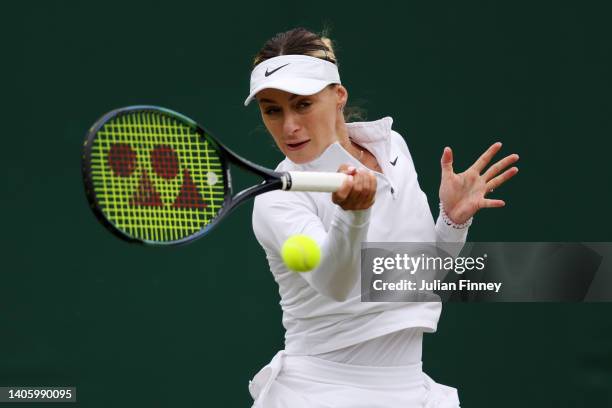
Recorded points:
(155, 178)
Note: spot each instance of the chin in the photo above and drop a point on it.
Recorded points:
(300, 157)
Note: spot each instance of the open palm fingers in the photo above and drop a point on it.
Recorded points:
(494, 184)
(501, 179)
(499, 166)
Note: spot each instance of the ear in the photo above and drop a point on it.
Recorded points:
(341, 96)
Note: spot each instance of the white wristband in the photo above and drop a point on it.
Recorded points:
(449, 222)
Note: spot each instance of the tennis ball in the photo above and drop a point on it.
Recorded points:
(301, 253)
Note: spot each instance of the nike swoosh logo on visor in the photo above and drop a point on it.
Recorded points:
(267, 74)
(394, 161)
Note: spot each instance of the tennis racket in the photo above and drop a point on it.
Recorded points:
(154, 176)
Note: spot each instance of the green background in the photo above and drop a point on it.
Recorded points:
(189, 326)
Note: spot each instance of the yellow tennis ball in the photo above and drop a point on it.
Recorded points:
(301, 253)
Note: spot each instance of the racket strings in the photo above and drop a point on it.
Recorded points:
(155, 177)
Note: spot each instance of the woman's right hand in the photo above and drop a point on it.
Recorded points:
(358, 191)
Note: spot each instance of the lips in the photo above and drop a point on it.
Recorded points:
(297, 145)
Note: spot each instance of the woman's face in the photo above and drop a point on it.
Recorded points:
(303, 126)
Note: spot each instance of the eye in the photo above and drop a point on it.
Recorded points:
(304, 104)
(271, 110)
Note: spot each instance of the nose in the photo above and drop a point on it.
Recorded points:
(290, 124)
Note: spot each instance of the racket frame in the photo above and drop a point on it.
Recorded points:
(272, 180)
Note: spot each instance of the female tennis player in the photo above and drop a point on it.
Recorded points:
(340, 352)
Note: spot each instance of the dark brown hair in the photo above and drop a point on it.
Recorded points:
(300, 41)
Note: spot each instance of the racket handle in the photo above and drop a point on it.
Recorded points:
(312, 181)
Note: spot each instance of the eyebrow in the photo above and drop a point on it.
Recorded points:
(293, 96)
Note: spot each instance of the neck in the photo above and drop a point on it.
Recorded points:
(345, 141)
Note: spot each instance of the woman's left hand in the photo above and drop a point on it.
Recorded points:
(463, 194)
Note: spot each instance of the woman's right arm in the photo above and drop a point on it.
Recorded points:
(278, 215)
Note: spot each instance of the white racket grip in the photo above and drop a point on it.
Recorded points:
(313, 181)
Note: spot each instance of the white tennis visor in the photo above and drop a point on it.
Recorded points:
(298, 74)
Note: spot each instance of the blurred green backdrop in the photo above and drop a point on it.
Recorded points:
(189, 326)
